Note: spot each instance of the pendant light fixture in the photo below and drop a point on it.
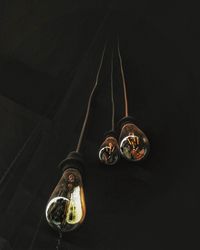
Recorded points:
(66, 208)
(109, 149)
(134, 144)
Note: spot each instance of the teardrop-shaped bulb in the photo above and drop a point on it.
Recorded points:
(66, 208)
(134, 145)
(109, 151)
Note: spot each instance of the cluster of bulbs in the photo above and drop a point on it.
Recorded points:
(66, 208)
(132, 143)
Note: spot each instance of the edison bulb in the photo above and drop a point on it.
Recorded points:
(66, 208)
(109, 151)
(134, 145)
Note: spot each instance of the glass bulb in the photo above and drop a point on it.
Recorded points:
(134, 145)
(109, 151)
(66, 208)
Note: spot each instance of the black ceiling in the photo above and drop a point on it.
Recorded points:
(49, 52)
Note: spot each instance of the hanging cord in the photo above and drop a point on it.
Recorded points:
(89, 101)
(123, 81)
(112, 93)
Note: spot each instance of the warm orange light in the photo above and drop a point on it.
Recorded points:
(66, 208)
(133, 143)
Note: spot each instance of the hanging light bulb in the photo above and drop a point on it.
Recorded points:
(133, 143)
(109, 150)
(66, 209)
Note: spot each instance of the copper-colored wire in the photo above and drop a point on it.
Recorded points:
(89, 101)
(123, 81)
(112, 92)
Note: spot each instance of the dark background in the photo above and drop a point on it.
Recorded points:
(49, 53)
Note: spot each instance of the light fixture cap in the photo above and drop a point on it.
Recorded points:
(110, 133)
(125, 120)
(73, 160)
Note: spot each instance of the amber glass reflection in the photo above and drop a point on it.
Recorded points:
(134, 145)
(66, 208)
(109, 151)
